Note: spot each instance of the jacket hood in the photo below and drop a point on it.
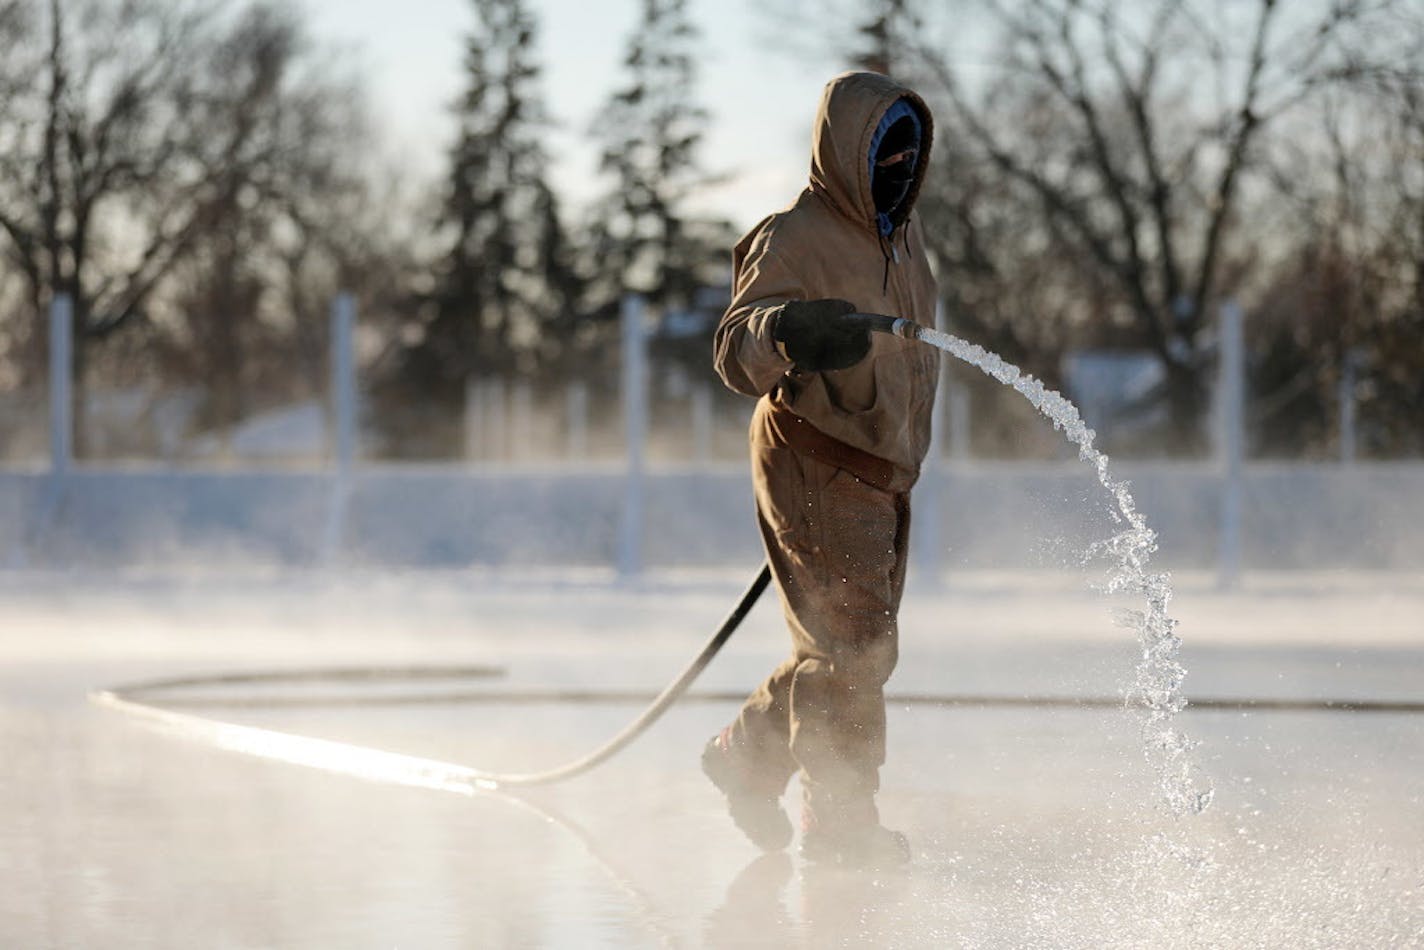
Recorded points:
(852, 108)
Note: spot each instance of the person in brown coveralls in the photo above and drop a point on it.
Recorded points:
(841, 426)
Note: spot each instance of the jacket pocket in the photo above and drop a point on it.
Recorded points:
(855, 389)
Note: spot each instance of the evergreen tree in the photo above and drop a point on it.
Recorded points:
(506, 285)
(643, 239)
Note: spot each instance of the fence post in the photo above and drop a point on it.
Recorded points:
(494, 404)
(576, 419)
(473, 421)
(701, 422)
(1231, 440)
(959, 421)
(61, 398)
(635, 434)
(929, 498)
(61, 429)
(345, 413)
(1349, 374)
(520, 427)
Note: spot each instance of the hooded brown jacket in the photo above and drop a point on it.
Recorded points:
(827, 244)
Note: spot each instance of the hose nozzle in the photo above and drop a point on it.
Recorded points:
(884, 323)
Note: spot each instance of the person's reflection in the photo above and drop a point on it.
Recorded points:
(753, 914)
(839, 907)
(842, 907)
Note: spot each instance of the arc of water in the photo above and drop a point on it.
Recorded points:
(1157, 686)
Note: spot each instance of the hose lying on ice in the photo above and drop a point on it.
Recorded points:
(364, 762)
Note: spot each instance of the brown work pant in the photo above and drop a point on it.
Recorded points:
(837, 548)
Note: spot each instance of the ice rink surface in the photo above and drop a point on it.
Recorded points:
(1031, 826)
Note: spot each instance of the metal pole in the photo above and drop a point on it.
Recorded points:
(955, 398)
(343, 380)
(1349, 373)
(496, 413)
(939, 421)
(635, 434)
(1231, 441)
(473, 418)
(521, 420)
(701, 422)
(345, 412)
(929, 496)
(576, 411)
(61, 428)
(61, 371)
(959, 446)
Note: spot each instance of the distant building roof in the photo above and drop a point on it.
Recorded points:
(1113, 387)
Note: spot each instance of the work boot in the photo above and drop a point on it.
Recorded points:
(754, 805)
(850, 837)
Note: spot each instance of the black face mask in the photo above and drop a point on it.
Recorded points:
(896, 158)
(892, 185)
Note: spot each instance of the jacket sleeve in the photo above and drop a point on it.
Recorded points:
(746, 356)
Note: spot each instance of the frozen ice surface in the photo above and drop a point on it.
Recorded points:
(1031, 827)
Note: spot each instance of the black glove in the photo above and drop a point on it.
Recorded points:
(816, 336)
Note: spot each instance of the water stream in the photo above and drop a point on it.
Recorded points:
(1157, 686)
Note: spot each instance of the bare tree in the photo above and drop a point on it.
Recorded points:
(286, 230)
(138, 138)
(89, 155)
(1123, 138)
(1346, 298)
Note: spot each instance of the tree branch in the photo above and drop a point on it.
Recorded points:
(1137, 93)
(1055, 199)
(1133, 271)
(1221, 205)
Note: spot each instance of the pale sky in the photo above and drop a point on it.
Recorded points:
(762, 102)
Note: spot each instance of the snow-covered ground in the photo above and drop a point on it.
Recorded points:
(1032, 827)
